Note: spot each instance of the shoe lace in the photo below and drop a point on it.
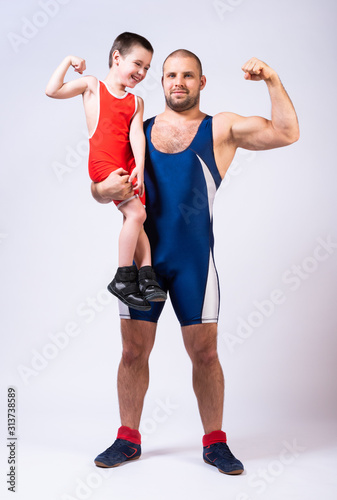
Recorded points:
(224, 450)
(115, 446)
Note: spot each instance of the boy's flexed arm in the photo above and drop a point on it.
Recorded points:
(56, 87)
(137, 141)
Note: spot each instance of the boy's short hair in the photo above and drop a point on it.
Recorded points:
(125, 42)
(185, 53)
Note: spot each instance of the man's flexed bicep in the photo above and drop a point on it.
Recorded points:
(256, 132)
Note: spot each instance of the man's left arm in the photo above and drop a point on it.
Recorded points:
(258, 133)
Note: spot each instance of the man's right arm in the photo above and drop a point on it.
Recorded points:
(115, 187)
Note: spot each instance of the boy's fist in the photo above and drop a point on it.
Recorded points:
(78, 64)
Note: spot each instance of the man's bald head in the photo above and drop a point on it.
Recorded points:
(184, 53)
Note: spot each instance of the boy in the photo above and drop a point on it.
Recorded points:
(115, 125)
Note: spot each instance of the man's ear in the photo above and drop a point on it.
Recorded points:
(202, 82)
(162, 81)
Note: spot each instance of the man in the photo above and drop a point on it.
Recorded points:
(188, 154)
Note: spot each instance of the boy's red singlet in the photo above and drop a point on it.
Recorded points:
(110, 146)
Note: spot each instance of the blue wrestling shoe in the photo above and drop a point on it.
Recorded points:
(120, 451)
(220, 456)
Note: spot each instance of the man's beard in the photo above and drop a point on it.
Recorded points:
(182, 105)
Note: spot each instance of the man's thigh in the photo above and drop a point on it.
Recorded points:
(201, 338)
(138, 335)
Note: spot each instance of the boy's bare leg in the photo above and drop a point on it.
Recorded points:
(208, 380)
(133, 374)
(143, 250)
(134, 218)
(133, 288)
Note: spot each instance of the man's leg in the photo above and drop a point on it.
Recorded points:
(133, 380)
(133, 374)
(208, 381)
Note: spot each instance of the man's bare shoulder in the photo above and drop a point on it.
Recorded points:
(161, 117)
(225, 118)
(222, 125)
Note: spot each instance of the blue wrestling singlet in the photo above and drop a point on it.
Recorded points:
(180, 190)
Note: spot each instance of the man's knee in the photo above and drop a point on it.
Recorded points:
(203, 352)
(206, 357)
(134, 355)
(138, 338)
(201, 343)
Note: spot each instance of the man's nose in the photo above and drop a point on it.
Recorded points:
(178, 81)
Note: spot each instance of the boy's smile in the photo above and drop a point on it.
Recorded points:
(132, 68)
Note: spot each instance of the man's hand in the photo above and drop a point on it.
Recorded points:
(115, 187)
(138, 173)
(256, 70)
(78, 64)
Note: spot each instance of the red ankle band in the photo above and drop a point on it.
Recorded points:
(214, 437)
(132, 435)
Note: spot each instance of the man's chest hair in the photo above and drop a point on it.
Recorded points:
(171, 139)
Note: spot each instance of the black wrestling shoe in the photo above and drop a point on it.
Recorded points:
(125, 287)
(148, 285)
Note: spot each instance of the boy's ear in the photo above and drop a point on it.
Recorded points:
(116, 57)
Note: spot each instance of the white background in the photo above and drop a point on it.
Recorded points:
(59, 250)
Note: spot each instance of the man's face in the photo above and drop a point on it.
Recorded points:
(182, 83)
(133, 67)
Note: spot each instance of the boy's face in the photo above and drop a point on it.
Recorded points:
(133, 67)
